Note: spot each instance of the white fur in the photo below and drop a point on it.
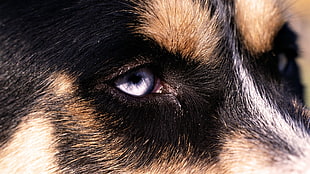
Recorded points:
(265, 109)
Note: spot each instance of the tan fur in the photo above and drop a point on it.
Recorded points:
(78, 113)
(241, 156)
(181, 168)
(31, 150)
(62, 84)
(259, 21)
(178, 164)
(180, 26)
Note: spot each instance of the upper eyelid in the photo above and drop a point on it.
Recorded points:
(130, 70)
(120, 71)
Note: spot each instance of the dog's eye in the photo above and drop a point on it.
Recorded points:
(137, 83)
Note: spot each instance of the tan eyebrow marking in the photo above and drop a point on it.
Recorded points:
(180, 26)
(259, 22)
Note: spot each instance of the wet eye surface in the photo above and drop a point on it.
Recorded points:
(139, 82)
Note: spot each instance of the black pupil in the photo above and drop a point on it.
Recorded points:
(135, 78)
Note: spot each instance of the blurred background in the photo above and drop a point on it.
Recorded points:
(301, 22)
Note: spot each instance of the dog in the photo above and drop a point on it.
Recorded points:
(155, 86)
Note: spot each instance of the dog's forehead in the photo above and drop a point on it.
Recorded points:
(190, 28)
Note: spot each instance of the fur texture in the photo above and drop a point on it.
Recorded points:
(219, 81)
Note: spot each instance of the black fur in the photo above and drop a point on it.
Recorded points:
(93, 40)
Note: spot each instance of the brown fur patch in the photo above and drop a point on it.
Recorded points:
(76, 112)
(31, 150)
(259, 22)
(243, 155)
(178, 163)
(180, 26)
(62, 84)
(79, 117)
(183, 167)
